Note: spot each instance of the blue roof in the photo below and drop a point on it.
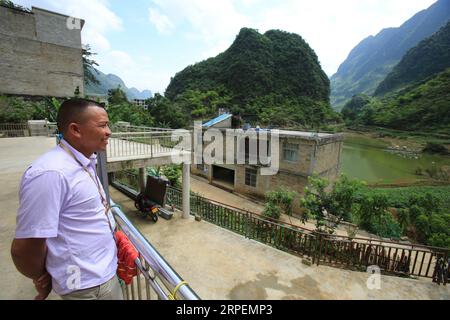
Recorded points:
(214, 121)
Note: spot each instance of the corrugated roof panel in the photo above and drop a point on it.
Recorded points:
(216, 120)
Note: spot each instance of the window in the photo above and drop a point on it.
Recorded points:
(250, 177)
(290, 152)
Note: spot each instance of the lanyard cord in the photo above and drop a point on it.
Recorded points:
(104, 202)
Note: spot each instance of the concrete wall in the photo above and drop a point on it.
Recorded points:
(39, 54)
(321, 155)
(328, 159)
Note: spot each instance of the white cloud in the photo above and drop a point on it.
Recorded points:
(161, 21)
(136, 72)
(333, 28)
(210, 21)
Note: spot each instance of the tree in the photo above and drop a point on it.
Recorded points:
(332, 207)
(117, 96)
(167, 113)
(10, 4)
(89, 65)
(129, 112)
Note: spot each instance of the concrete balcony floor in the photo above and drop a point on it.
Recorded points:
(218, 264)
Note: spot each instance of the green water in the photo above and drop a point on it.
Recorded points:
(365, 158)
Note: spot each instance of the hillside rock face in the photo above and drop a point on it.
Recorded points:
(373, 58)
(111, 81)
(256, 65)
(428, 58)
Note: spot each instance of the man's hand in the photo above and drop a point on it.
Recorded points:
(43, 286)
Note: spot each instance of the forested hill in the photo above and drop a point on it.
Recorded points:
(372, 59)
(421, 106)
(261, 74)
(430, 57)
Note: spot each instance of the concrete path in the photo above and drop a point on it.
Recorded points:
(218, 264)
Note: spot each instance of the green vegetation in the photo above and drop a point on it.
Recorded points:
(279, 201)
(415, 95)
(420, 106)
(274, 79)
(399, 197)
(19, 110)
(173, 174)
(374, 58)
(89, 66)
(329, 208)
(421, 213)
(12, 5)
(166, 113)
(428, 58)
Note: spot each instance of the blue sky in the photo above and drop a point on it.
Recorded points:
(146, 42)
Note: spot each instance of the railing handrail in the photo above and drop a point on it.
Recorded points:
(134, 133)
(147, 129)
(160, 267)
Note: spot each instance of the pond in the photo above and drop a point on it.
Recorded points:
(368, 159)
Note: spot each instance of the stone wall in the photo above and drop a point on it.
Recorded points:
(40, 56)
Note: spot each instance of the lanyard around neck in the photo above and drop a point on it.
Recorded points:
(104, 202)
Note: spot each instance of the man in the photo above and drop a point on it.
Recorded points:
(63, 237)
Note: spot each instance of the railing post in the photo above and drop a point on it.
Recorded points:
(151, 146)
(103, 174)
(247, 224)
(186, 190)
(142, 179)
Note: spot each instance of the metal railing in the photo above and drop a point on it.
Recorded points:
(132, 128)
(156, 279)
(137, 144)
(52, 128)
(341, 251)
(13, 130)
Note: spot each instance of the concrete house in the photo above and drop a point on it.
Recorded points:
(300, 155)
(40, 53)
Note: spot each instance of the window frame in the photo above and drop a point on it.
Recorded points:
(287, 146)
(248, 175)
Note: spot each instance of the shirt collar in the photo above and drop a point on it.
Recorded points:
(81, 157)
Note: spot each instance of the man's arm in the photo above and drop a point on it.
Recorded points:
(29, 256)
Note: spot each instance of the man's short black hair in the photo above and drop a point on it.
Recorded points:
(71, 111)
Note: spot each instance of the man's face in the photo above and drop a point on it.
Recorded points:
(94, 129)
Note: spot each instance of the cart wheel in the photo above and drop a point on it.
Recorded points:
(155, 217)
(138, 201)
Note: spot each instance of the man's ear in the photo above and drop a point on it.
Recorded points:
(74, 130)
